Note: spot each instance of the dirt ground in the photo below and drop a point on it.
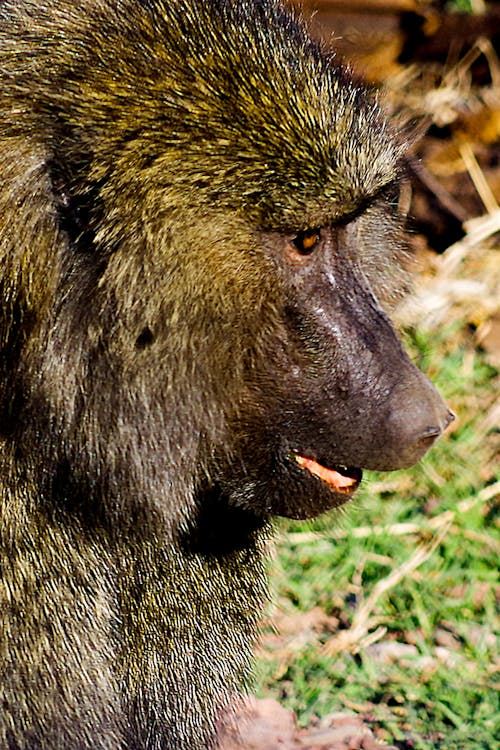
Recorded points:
(268, 726)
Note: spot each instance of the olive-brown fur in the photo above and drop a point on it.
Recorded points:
(168, 348)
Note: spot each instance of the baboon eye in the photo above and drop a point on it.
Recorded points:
(307, 241)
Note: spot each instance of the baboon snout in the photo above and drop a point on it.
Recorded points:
(417, 417)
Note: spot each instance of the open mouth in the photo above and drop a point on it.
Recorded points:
(344, 480)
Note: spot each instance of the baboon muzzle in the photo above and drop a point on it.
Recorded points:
(381, 412)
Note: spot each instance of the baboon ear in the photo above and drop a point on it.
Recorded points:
(29, 238)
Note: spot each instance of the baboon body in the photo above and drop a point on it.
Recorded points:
(196, 210)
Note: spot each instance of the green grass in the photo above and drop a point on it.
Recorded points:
(413, 561)
(461, 6)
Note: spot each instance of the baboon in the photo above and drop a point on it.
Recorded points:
(199, 233)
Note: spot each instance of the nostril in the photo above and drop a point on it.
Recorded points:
(450, 417)
(428, 436)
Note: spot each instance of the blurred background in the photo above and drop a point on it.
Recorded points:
(383, 629)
